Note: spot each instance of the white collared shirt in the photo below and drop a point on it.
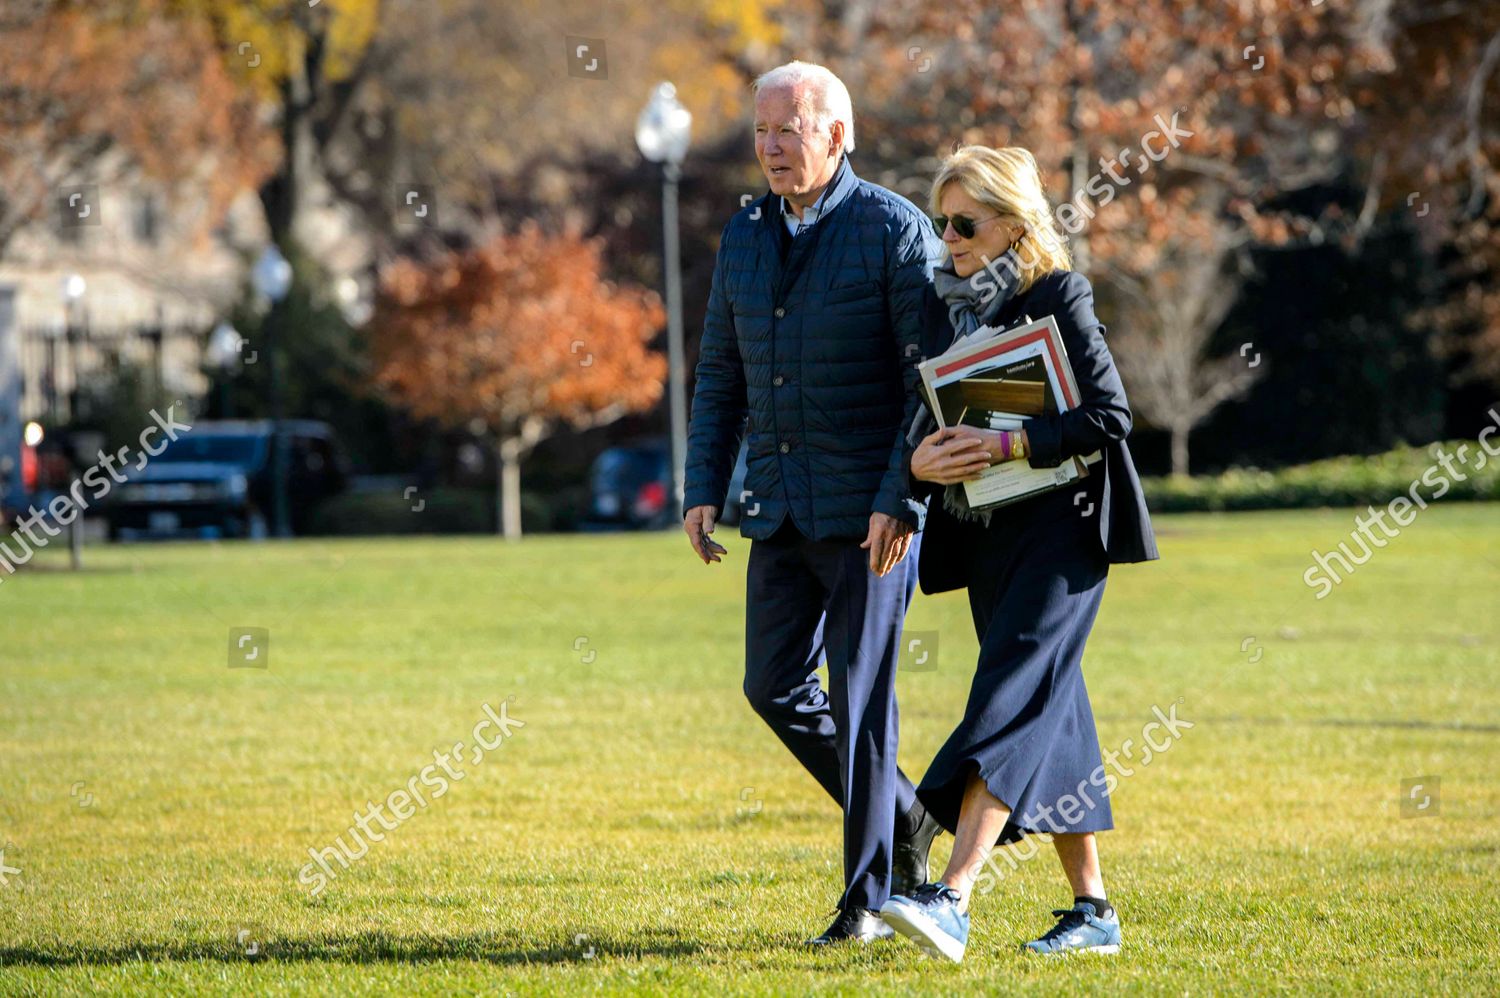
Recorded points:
(810, 214)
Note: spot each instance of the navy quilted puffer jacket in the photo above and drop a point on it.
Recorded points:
(811, 345)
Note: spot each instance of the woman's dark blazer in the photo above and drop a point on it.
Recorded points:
(1100, 423)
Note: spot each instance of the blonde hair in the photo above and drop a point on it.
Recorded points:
(1009, 181)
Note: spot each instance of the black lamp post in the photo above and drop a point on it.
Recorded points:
(222, 353)
(662, 132)
(272, 277)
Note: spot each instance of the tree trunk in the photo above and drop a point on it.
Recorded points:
(282, 194)
(508, 487)
(1079, 153)
(1180, 433)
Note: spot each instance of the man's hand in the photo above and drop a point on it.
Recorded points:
(698, 524)
(888, 541)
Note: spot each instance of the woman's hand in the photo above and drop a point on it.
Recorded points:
(951, 455)
(959, 454)
(994, 441)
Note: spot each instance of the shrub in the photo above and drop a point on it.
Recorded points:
(444, 511)
(1357, 480)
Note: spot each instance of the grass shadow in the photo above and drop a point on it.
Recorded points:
(363, 948)
(1464, 727)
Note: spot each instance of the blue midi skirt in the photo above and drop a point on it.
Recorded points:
(1036, 576)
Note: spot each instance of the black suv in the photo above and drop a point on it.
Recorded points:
(631, 487)
(215, 481)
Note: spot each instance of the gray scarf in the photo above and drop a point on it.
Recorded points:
(969, 308)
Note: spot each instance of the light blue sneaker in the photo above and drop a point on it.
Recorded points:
(931, 919)
(1078, 930)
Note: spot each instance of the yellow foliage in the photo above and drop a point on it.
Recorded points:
(264, 39)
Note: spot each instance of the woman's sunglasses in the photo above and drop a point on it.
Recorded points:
(962, 224)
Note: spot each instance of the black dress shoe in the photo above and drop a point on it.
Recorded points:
(909, 860)
(854, 925)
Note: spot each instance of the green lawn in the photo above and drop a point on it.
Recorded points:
(645, 832)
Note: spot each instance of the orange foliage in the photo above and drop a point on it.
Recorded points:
(1221, 108)
(1437, 119)
(85, 80)
(519, 333)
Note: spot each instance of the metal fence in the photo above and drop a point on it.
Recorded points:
(58, 363)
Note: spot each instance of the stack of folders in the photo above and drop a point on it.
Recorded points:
(996, 381)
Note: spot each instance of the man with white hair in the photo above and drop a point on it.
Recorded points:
(820, 310)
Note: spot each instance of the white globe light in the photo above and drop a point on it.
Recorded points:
(272, 275)
(223, 346)
(664, 127)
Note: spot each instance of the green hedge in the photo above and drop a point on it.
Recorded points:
(1341, 481)
(444, 511)
(1375, 479)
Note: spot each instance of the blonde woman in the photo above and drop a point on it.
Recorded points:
(1025, 758)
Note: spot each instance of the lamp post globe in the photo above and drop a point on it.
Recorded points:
(664, 128)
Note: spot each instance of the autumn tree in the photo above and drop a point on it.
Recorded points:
(103, 92)
(1239, 102)
(1434, 142)
(519, 337)
(486, 104)
(309, 65)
